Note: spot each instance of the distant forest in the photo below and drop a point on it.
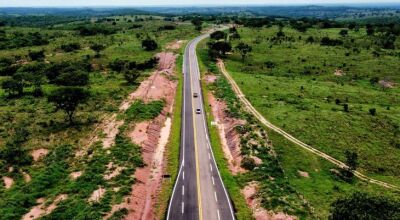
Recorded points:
(51, 16)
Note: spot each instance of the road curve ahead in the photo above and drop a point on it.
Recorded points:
(199, 192)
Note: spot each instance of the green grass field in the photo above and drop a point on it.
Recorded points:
(305, 104)
(293, 85)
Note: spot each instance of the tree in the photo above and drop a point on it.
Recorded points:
(361, 205)
(218, 35)
(13, 87)
(310, 40)
(68, 99)
(70, 47)
(243, 49)
(149, 44)
(351, 159)
(13, 153)
(346, 107)
(97, 48)
(344, 32)
(372, 111)
(198, 23)
(131, 76)
(370, 30)
(72, 78)
(36, 55)
(248, 163)
(219, 48)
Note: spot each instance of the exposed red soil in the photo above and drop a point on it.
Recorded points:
(386, 84)
(8, 182)
(250, 194)
(229, 136)
(75, 175)
(303, 174)
(112, 171)
(97, 195)
(151, 136)
(210, 78)
(39, 153)
(41, 210)
(339, 72)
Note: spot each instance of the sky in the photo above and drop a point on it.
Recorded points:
(72, 3)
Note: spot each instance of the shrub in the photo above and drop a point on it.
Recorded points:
(372, 111)
(131, 76)
(248, 163)
(218, 35)
(326, 41)
(149, 44)
(70, 47)
(139, 111)
(361, 205)
(36, 55)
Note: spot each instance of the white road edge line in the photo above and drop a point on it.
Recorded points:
(183, 127)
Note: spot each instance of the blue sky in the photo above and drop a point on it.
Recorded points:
(7, 3)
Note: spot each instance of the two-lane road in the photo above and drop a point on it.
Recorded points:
(199, 192)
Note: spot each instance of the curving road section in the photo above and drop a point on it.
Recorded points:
(199, 192)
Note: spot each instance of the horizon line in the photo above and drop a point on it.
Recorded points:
(208, 5)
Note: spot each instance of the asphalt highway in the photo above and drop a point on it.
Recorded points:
(199, 192)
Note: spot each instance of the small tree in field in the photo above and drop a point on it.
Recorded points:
(13, 87)
(149, 44)
(68, 99)
(218, 35)
(243, 49)
(344, 32)
(97, 48)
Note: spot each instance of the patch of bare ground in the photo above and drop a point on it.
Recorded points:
(250, 193)
(152, 136)
(303, 174)
(230, 138)
(339, 72)
(175, 45)
(75, 175)
(210, 78)
(8, 182)
(112, 171)
(41, 209)
(97, 195)
(39, 153)
(386, 84)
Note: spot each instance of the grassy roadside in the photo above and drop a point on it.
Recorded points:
(232, 185)
(173, 146)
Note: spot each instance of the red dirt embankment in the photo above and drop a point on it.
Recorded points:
(230, 138)
(152, 136)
